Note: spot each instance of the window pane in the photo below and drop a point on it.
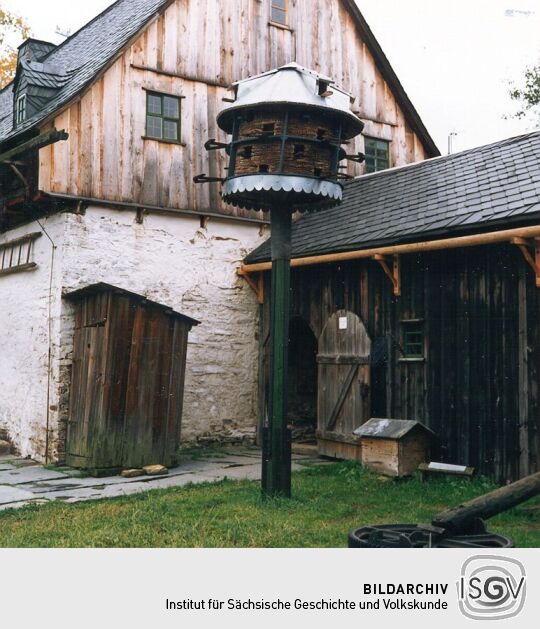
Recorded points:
(154, 104)
(153, 127)
(370, 165)
(282, 4)
(170, 130)
(279, 16)
(377, 154)
(171, 107)
(413, 340)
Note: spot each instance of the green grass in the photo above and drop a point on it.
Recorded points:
(328, 501)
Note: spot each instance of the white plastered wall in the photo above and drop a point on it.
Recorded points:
(29, 340)
(169, 259)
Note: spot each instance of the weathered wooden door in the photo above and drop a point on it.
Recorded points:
(343, 384)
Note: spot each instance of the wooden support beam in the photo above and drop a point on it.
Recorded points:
(417, 247)
(256, 285)
(530, 248)
(44, 139)
(393, 272)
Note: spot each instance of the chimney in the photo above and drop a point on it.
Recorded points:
(34, 50)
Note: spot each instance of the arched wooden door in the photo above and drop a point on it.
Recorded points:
(343, 384)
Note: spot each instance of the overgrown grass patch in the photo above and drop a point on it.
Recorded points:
(327, 502)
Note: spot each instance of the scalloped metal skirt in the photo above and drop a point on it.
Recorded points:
(263, 191)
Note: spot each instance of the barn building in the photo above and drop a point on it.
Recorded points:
(419, 299)
(100, 138)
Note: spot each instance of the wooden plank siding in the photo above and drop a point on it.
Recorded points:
(210, 44)
(127, 387)
(478, 388)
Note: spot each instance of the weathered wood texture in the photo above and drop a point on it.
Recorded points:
(396, 457)
(196, 49)
(489, 505)
(478, 388)
(343, 377)
(381, 455)
(127, 384)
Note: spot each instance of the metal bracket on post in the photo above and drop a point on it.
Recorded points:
(213, 145)
(393, 272)
(204, 178)
(530, 248)
(359, 158)
(257, 286)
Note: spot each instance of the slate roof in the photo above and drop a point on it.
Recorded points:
(482, 188)
(83, 55)
(379, 428)
(45, 75)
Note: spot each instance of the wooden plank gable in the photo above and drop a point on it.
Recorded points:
(195, 50)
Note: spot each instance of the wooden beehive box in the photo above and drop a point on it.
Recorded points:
(394, 447)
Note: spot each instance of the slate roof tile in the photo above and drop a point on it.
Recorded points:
(83, 55)
(422, 200)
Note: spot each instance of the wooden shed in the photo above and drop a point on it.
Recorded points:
(394, 447)
(129, 358)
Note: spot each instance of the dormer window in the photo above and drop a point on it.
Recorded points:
(278, 12)
(20, 109)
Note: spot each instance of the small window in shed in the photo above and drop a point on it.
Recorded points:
(321, 133)
(413, 338)
(377, 154)
(162, 117)
(278, 12)
(246, 152)
(264, 168)
(21, 109)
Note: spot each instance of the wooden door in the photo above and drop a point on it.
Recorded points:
(343, 383)
(98, 383)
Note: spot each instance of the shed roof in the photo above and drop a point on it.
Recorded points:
(102, 287)
(379, 428)
(491, 186)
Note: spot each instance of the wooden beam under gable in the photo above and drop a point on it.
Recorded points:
(256, 285)
(391, 265)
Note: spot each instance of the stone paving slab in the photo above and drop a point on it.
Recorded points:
(8, 494)
(35, 484)
(23, 475)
